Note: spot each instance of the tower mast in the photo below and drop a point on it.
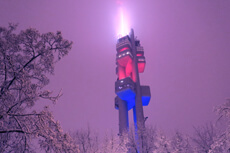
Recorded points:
(130, 62)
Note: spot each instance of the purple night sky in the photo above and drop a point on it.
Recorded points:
(187, 49)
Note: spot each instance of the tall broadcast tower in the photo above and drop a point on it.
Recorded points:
(130, 62)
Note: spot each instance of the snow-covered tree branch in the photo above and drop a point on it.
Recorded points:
(25, 61)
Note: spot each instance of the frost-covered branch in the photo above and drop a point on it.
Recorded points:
(26, 60)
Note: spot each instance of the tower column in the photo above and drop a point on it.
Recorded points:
(130, 62)
(123, 116)
(138, 109)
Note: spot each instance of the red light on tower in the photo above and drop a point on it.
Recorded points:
(141, 67)
(123, 49)
(130, 62)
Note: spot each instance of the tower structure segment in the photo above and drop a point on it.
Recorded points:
(130, 62)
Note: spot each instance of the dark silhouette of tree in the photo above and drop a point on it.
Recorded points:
(204, 137)
(86, 140)
(26, 59)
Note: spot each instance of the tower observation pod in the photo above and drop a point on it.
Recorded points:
(131, 95)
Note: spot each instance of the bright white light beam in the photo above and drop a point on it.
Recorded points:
(123, 29)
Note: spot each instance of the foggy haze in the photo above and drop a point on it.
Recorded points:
(187, 52)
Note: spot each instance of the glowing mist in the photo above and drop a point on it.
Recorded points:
(123, 24)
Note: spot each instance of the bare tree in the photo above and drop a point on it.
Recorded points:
(180, 143)
(115, 144)
(222, 141)
(204, 137)
(86, 141)
(25, 60)
(149, 145)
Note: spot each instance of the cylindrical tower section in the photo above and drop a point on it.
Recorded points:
(123, 116)
(138, 109)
